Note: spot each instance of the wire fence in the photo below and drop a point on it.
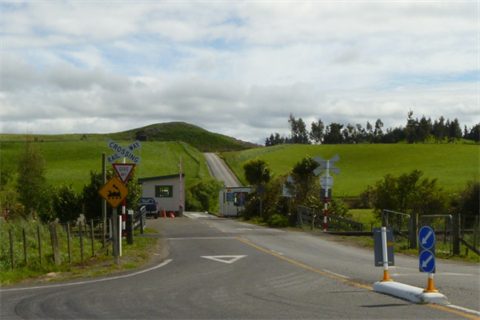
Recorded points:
(24, 244)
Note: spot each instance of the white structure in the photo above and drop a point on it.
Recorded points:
(166, 191)
(232, 200)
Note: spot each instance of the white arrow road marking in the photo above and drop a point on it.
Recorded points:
(224, 259)
(425, 263)
(424, 240)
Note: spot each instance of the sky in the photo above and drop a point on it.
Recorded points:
(237, 68)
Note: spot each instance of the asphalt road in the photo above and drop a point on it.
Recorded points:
(212, 268)
(220, 171)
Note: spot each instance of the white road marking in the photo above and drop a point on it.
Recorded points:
(463, 309)
(164, 263)
(224, 259)
(335, 274)
(279, 253)
(200, 238)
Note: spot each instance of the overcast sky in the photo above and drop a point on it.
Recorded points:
(234, 67)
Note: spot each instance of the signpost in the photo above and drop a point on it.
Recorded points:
(426, 259)
(383, 249)
(124, 170)
(326, 181)
(114, 192)
(122, 152)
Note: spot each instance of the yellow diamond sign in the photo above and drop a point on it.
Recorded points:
(114, 191)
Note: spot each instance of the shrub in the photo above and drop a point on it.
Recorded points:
(278, 221)
(203, 196)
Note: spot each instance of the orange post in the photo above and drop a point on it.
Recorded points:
(386, 277)
(430, 287)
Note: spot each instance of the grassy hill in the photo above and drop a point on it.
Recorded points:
(364, 164)
(72, 161)
(197, 137)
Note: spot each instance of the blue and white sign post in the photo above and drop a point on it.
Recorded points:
(426, 239)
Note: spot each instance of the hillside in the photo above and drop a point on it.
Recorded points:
(200, 139)
(197, 137)
(364, 164)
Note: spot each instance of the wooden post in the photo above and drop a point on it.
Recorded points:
(456, 234)
(413, 230)
(39, 246)
(92, 237)
(55, 247)
(129, 223)
(81, 240)
(69, 244)
(104, 202)
(12, 254)
(25, 247)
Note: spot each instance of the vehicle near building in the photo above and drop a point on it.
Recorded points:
(151, 206)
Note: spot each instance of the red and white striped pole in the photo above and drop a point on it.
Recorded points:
(325, 207)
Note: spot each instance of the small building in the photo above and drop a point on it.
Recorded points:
(166, 190)
(232, 200)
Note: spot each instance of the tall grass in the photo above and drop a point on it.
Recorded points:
(37, 263)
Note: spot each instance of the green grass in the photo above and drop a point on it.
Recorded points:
(364, 164)
(72, 161)
(133, 256)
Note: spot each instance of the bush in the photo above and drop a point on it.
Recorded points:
(203, 196)
(278, 221)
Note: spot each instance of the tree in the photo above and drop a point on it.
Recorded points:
(66, 204)
(333, 134)
(454, 131)
(424, 128)
(378, 133)
(408, 193)
(203, 196)
(316, 132)
(257, 172)
(32, 187)
(304, 178)
(411, 131)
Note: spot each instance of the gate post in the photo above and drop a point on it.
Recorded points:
(413, 230)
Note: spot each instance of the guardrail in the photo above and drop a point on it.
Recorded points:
(140, 219)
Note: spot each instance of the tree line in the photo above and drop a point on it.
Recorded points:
(415, 131)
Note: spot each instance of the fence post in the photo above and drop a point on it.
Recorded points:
(25, 247)
(12, 254)
(93, 238)
(39, 246)
(413, 230)
(69, 244)
(81, 240)
(129, 226)
(55, 247)
(456, 233)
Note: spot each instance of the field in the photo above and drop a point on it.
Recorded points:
(72, 161)
(362, 165)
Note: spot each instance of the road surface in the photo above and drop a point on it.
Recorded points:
(213, 268)
(220, 171)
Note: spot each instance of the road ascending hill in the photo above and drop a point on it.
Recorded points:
(220, 171)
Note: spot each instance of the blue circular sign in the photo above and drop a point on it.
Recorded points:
(426, 237)
(427, 261)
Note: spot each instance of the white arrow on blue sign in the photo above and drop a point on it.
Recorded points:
(427, 261)
(426, 237)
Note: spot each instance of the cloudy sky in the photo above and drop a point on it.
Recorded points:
(237, 68)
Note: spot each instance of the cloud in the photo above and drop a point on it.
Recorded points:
(237, 68)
